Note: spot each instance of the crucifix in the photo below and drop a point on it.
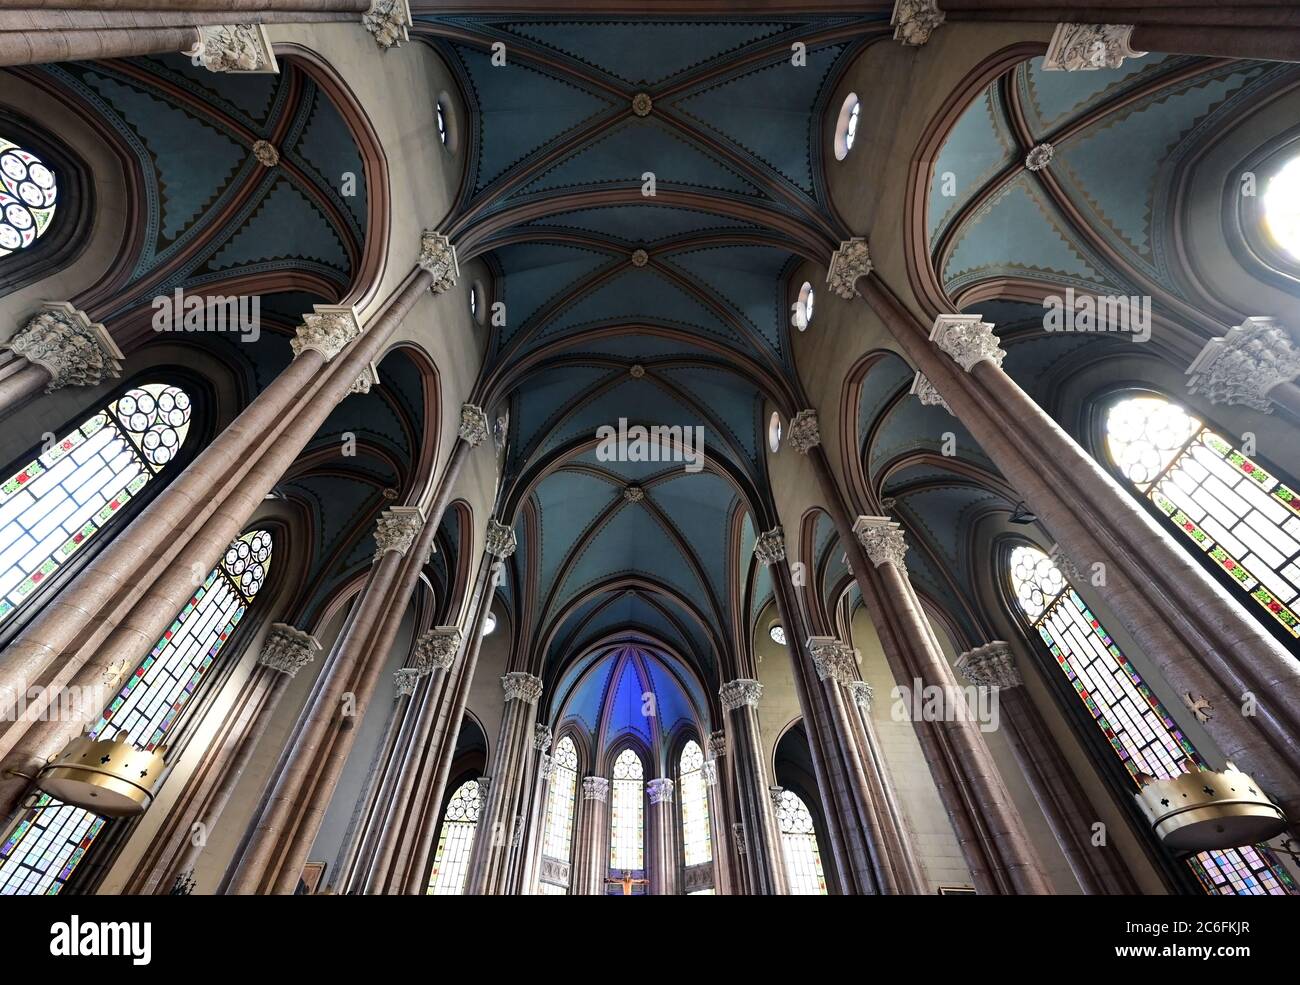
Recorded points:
(627, 882)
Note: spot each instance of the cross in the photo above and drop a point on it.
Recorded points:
(627, 882)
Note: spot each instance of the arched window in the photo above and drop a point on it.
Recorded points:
(1140, 730)
(696, 845)
(55, 503)
(451, 860)
(52, 839)
(1282, 207)
(627, 814)
(560, 801)
(29, 195)
(803, 862)
(1236, 513)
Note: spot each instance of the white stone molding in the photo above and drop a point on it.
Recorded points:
(438, 257)
(595, 788)
(389, 22)
(396, 529)
(267, 154)
(1039, 156)
(851, 261)
(1245, 364)
(968, 339)
(520, 685)
(990, 665)
(474, 427)
(327, 329)
(769, 546)
(235, 48)
(740, 692)
(660, 790)
(70, 347)
(1088, 47)
(633, 493)
(882, 539)
(287, 650)
(802, 434)
(926, 392)
(914, 21)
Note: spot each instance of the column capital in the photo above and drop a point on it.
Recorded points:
(1242, 366)
(660, 790)
(769, 547)
(710, 772)
(396, 530)
(717, 744)
(438, 257)
(775, 792)
(235, 48)
(914, 20)
(851, 261)
(369, 378)
(542, 737)
(519, 685)
(405, 679)
(738, 836)
(70, 347)
(742, 691)
(990, 665)
(925, 392)
(968, 339)
(484, 788)
(437, 648)
(287, 650)
(328, 329)
(802, 432)
(861, 692)
(389, 22)
(882, 539)
(1087, 47)
(474, 427)
(500, 540)
(832, 659)
(595, 788)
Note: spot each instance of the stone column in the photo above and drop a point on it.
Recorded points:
(740, 700)
(724, 869)
(535, 829)
(60, 346)
(1099, 869)
(665, 847)
(1207, 645)
(591, 839)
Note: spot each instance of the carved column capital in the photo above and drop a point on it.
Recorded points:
(542, 737)
(882, 539)
(832, 659)
(474, 427)
(389, 22)
(287, 650)
(405, 679)
(990, 665)
(519, 685)
(500, 540)
(861, 692)
(1087, 47)
(369, 378)
(925, 392)
(438, 257)
(851, 261)
(774, 792)
(740, 692)
(710, 772)
(717, 744)
(235, 48)
(660, 791)
(1244, 365)
(396, 530)
(802, 432)
(545, 768)
(484, 788)
(70, 347)
(769, 547)
(595, 788)
(327, 329)
(437, 648)
(967, 339)
(914, 20)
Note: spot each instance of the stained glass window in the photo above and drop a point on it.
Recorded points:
(696, 845)
(52, 838)
(1139, 728)
(627, 814)
(1235, 512)
(456, 842)
(803, 861)
(55, 503)
(560, 801)
(29, 195)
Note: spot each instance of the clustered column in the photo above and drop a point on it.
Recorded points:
(535, 827)
(591, 839)
(760, 838)
(662, 832)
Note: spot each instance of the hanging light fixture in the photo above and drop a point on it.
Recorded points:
(1199, 810)
(108, 776)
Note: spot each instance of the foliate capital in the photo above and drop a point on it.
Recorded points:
(484, 788)
(389, 22)
(369, 378)
(238, 48)
(1244, 365)
(396, 529)
(990, 665)
(327, 329)
(832, 659)
(70, 347)
(660, 790)
(405, 679)
(519, 685)
(802, 432)
(500, 540)
(775, 793)
(882, 539)
(1087, 47)
(769, 547)
(438, 257)
(851, 261)
(437, 648)
(541, 737)
(861, 692)
(914, 20)
(717, 744)
(740, 692)
(967, 339)
(287, 650)
(474, 427)
(710, 771)
(595, 788)
(925, 392)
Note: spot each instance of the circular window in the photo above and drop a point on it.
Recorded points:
(28, 196)
(846, 127)
(478, 302)
(803, 308)
(1282, 207)
(442, 122)
(446, 121)
(777, 632)
(473, 301)
(774, 432)
(489, 624)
